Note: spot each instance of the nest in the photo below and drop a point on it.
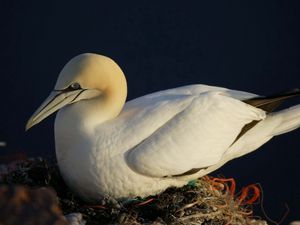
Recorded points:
(207, 200)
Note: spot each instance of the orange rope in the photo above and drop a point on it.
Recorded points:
(246, 193)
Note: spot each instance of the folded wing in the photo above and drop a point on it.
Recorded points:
(194, 137)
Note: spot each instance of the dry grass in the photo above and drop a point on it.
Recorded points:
(205, 201)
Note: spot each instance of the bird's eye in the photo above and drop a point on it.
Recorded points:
(75, 86)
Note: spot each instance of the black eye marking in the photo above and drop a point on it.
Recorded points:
(75, 86)
(72, 87)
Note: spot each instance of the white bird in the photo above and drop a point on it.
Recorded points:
(106, 147)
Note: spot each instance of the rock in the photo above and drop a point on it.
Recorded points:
(21, 206)
(75, 219)
(295, 223)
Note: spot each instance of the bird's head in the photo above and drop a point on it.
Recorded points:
(84, 77)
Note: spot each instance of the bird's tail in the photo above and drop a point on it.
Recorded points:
(256, 133)
(289, 120)
(268, 104)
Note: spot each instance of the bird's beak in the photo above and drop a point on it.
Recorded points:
(55, 101)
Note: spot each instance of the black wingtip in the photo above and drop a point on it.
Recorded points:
(270, 103)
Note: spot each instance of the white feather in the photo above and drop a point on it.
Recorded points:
(104, 147)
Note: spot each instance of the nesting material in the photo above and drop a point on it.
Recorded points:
(205, 201)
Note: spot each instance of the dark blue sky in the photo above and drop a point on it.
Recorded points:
(246, 45)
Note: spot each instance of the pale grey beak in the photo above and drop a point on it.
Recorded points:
(55, 101)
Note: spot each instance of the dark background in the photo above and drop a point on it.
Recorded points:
(245, 45)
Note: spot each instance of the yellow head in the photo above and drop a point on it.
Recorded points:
(86, 76)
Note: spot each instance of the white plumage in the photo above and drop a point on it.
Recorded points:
(106, 148)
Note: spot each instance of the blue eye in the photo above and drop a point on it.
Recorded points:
(75, 86)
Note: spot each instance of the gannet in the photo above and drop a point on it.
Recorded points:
(106, 146)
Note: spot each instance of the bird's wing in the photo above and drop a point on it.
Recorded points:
(196, 132)
(197, 89)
